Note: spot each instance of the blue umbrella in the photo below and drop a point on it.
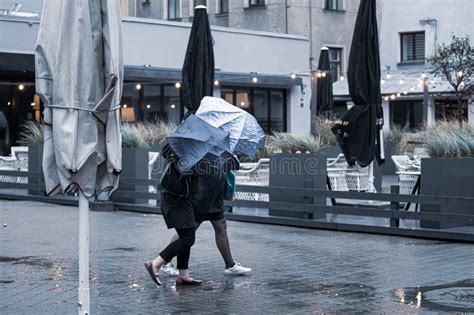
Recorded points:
(201, 148)
(246, 135)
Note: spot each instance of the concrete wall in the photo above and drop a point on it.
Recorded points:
(452, 16)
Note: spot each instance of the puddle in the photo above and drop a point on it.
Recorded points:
(6, 281)
(124, 249)
(451, 297)
(27, 260)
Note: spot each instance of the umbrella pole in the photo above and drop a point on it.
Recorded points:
(84, 294)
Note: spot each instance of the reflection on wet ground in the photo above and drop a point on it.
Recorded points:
(124, 249)
(450, 297)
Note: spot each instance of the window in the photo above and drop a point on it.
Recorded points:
(334, 5)
(256, 3)
(267, 105)
(406, 114)
(223, 6)
(335, 58)
(413, 46)
(173, 9)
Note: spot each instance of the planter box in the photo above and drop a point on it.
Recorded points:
(134, 165)
(35, 162)
(297, 171)
(447, 177)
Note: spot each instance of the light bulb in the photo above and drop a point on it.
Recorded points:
(177, 85)
(386, 98)
(389, 75)
(254, 79)
(423, 75)
(341, 78)
(293, 76)
(324, 74)
(124, 105)
(173, 106)
(460, 73)
(405, 92)
(148, 106)
(216, 83)
(32, 104)
(392, 96)
(382, 81)
(398, 94)
(319, 74)
(21, 87)
(400, 81)
(138, 86)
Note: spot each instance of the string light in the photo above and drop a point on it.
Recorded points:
(254, 79)
(412, 89)
(32, 104)
(386, 98)
(324, 74)
(148, 106)
(138, 86)
(341, 78)
(124, 105)
(460, 73)
(405, 92)
(216, 83)
(21, 87)
(392, 96)
(400, 81)
(423, 75)
(462, 83)
(177, 85)
(9, 103)
(173, 106)
(398, 94)
(319, 74)
(382, 81)
(293, 75)
(389, 75)
(147, 66)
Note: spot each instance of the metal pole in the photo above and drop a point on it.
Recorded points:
(84, 291)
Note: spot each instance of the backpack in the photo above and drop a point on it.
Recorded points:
(229, 186)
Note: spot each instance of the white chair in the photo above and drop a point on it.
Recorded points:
(408, 172)
(21, 154)
(256, 174)
(358, 178)
(8, 163)
(152, 158)
(336, 170)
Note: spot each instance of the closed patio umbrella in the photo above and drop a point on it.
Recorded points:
(358, 131)
(324, 96)
(198, 68)
(79, 75)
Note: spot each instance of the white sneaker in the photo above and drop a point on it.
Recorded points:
(237, 270)
(170, 270)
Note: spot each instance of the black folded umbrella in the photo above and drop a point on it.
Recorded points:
(198, 68)
(358, 131)
(324, 95)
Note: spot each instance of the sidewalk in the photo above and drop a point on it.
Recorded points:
(295, 270)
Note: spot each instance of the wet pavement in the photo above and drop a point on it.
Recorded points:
(295, 270)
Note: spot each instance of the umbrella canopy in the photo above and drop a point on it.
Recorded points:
(246, 135)
(198, 68)
(324, 97)
(201, 148)
(358, 130)
(79, 75)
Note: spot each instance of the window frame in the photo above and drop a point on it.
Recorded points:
(219, 11)
(177, 10)
(260, 3)
(339, 5)
(340, 62)
(251, 109)
(413, 34)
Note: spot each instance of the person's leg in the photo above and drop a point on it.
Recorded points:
(168, 268)
(174, 248)
(187, 236)
(222, 241)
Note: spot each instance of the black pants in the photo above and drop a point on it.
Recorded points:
(180, 248)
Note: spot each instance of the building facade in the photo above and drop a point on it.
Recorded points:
(409, 32)
(253, 71)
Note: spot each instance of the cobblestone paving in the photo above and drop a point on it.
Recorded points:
(295, 270)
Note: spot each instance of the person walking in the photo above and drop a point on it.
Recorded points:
(210, 207)
(178, 201)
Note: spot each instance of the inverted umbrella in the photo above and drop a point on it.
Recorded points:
(201, 148)
(198, 68)
(79, 75)
(358, 131)
(324, 96)
(246, 135)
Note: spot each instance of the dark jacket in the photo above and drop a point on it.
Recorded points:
(211, 194)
